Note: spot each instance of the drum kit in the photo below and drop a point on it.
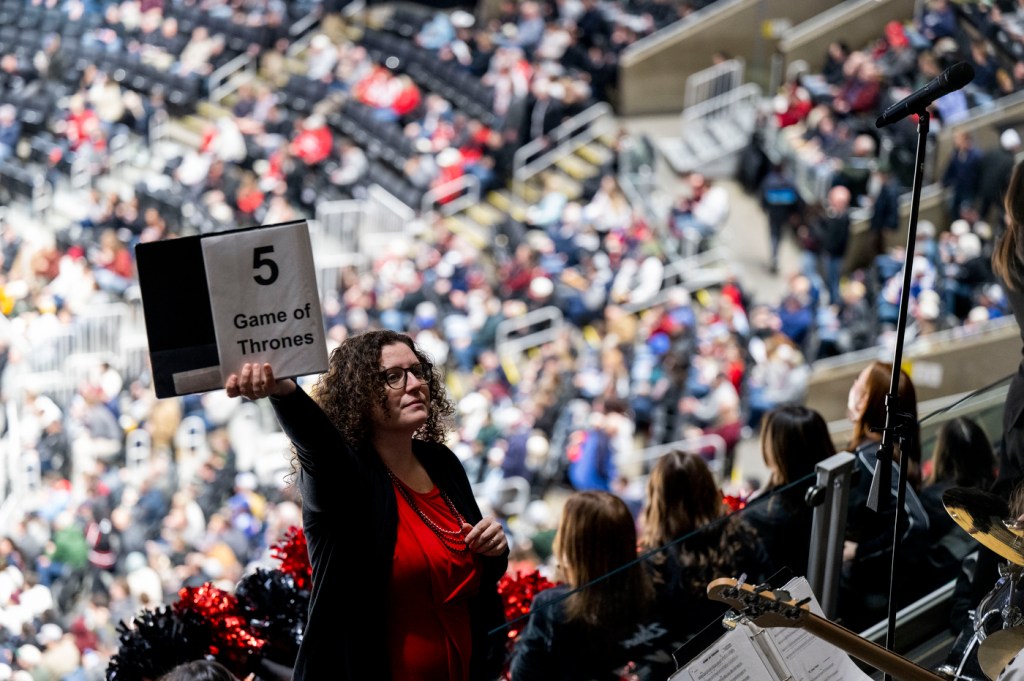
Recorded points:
(997, 633)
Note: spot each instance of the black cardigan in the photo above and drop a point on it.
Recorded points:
(350, 517)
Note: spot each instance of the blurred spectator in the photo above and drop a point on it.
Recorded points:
(994, 171)
(781, 201)
(685, 521)
(10, 131)
(962, 173)
(700, 215)
(793, 440)
(779, 378)
(582, 633)
(833, 228)
(867, 553)
(937, 21)
(963, 457)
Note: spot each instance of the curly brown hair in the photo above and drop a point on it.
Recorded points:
(346, 391)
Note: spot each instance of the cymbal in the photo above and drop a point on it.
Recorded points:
(996, 651)
(985, 517)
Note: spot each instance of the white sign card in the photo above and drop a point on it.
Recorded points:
(264, 300)
(216, 301)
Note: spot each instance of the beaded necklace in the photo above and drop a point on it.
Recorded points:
(450, 539)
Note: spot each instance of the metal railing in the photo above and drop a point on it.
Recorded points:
(386, 215)
(330, 266)
(451, 197)
(336, 228)
(653, 43)
(738, 104)
(828, 529)
(713, 82)
(693, 445)
(138, 453)
(692, 273)
(79, 176)
(301, 31)
(883, 352)
(514, 336)
(639, 182)
(812, 179)
(158, 127)
(120, 152)
(223, 81)
(42, 196)
(540, 154)
(715, 128)
(11, 491)
(57, 362)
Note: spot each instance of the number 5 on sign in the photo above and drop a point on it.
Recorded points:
(264, 299)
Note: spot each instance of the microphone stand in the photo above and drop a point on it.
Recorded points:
(896, 421)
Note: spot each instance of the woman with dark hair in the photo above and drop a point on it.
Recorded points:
(199, 670)
(686, 517)
(962, 457)
(587, 629)
(793, 440)
(404, 566)
(867, 553)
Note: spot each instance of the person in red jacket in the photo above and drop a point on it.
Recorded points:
(314, 142)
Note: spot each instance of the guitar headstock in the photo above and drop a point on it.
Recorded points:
(760, 604)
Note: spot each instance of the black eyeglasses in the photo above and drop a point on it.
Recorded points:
(398, 377)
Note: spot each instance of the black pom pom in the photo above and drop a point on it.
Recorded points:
(157, 641)
(276, 611)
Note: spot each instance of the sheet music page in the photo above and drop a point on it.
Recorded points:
(810, 658)
(733, 657)
(752, 653)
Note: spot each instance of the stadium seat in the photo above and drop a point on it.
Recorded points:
(31, 17)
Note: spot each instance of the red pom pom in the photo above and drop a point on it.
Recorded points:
(207, 600)
(735, 503)
(231, 642)
(294, 557)
(517, 593)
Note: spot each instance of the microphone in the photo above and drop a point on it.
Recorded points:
(950, 80)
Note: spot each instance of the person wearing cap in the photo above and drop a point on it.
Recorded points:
(405, 567)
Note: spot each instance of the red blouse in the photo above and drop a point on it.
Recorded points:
(430, 634)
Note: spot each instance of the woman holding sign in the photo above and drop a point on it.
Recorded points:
(404, 566)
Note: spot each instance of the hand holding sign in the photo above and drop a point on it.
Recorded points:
(256, 381)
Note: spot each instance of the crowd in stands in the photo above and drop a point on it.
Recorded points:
(633, 366)
(833, 168)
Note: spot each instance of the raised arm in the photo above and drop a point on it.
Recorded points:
(318, 443)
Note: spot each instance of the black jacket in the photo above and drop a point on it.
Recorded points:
(783, 522)
(552, 648)
(350, 517)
